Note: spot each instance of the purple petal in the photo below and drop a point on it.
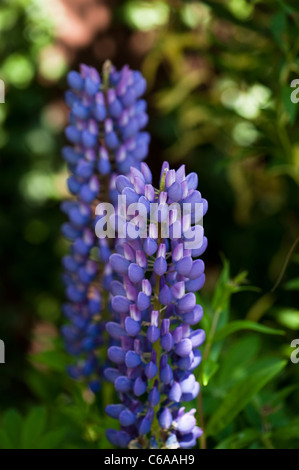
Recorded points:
(120, 304)
(132, 327)
(160, 266)
(184, 347)
(175, 392)
(135, 273)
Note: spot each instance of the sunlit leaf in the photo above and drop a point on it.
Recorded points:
(241, 393)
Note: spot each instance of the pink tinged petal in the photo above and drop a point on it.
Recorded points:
(162, 197)
(138, 185)
(146, 287)
(153, 231)
(173, 215)
(178, 252)
(149, 192)
(170, 178)
(165, 324)
(155, 318)
(135, 313)
(178, 290)
(134, 172)
(128, 252)
(141, 259)
(186, 222)
(161, 250)
(131, 292)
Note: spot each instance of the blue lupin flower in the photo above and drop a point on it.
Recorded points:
(155, 309)
(105, 134)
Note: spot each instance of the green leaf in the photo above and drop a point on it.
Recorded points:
(52, 439)
(279, 25)
(245, 325)
(5, 442)
(241, 393)
(239, 440)
(33, 427)
(231, 368)
(12, 425)
(290, 431)
(289, 318)
(209, 369)
(293, 284)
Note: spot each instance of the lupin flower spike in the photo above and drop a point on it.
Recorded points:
(155, 306)
(106, 138)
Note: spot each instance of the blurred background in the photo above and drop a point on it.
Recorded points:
(219, 96)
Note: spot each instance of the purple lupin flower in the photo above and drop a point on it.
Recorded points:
(155, 307)
(106, 138)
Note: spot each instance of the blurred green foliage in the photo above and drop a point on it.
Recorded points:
(219, 90)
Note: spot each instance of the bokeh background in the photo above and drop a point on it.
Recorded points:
(219, 96)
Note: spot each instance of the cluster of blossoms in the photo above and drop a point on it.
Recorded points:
(105, 132)
(152, 279)
(154, 309)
